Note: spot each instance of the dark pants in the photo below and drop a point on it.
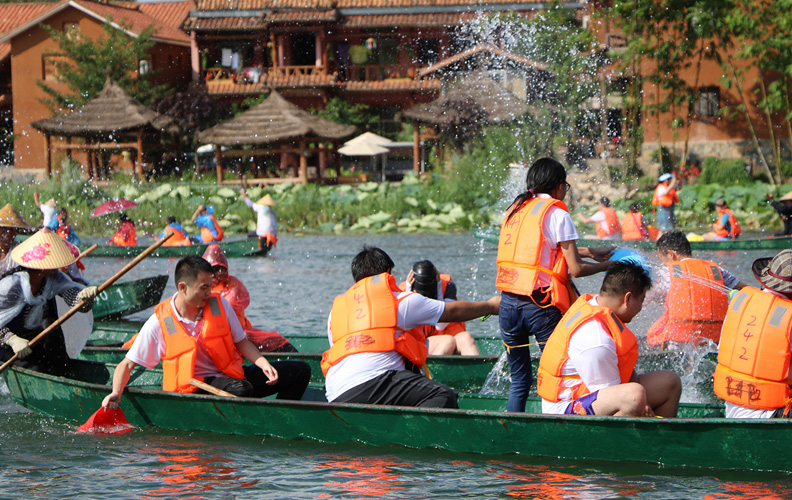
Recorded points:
(401, 388)
(293, 378)
(519, 319)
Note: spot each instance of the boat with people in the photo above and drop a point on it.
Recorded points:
(129, 297)
(239, 248)
(700, 438)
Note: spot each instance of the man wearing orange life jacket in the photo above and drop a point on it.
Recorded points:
(179, 238)
(369, 342)
(126, 236)
(210, 229)
(697, 295)
(726, 227)
(196, 335)
(606, 221)
(443, 339)
(537, 252)
(753, 373)
(665, 197)
(588, 364)
(633, 225)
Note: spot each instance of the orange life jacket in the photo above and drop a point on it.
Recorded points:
(63, 229)
(364, 319)
(431, 330)
(520, 249)
(178, 364)
(206, 234)
(734, 227)
(754, 356)
(610, 225)
(696, 303)
(665, 200)
(126, 235)
(179, 238)
(556, 351)
(633, 228)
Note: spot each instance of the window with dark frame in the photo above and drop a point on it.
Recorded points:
(708, 104)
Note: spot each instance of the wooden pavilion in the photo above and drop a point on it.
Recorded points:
(276, 121)
(112, 120)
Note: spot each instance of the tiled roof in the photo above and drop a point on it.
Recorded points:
(352, 4)
(208, 5)
(391, 84)
(272, 81)
(406, 20)
(224, 23)
(482, 49)
(301, 16)
(14, 15)
(262, 4)
(168, 13)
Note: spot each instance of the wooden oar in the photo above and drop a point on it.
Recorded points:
(87, 251)
(210, 388)
(74, 310)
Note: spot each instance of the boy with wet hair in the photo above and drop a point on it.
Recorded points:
(588, 364)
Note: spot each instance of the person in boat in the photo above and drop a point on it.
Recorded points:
(11, 224)
(726, 226)
(60, 224)
(752, 375)
(588, 364)
(48, 210)
(442, 339)
(266, 220)
(370, 339)
(537, 251)
(125, 236)
(665, 197)
(180, 237)
(697, 295)
(210, 229)
(234, 291)
(784, 208)
(606, 221)
(204, 341)
(27, 301)
(633, 225)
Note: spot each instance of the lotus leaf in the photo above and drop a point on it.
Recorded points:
(338, 228)
(446, 220)
(367, 186)
(380, 217)
(457, 212)
(255, 193)
(431, 204)
(360, 196)
(224, 223)
(130, 191)
(411, 201)
(180, 191)
(403, 222)
(251, 225)
(409, 229)
(410, 178)
(227, 193)
(326, 227)
(282, 188)
(389, 227)
(345, 188)
(160, 191)
(142, 198)
(383, 187)
(232, 217)
(431, 224)
(235, 228)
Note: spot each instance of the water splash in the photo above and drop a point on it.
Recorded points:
(498, 381)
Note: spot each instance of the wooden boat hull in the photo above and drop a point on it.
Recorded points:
(129, 297)
(240, 248)
(699, 440)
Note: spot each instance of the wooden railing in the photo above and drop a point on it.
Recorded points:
(290, 71)
(378, 72)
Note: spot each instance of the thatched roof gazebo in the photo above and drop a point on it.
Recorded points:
(275, 120)
(101, 121)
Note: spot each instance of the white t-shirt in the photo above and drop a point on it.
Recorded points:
(267, 219)
(735, 411)
(592, 356)
(48, 212)
(600, 220)
(149, 347)
(415, 310)
(557, 227)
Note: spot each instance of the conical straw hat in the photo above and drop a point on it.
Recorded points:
(9, 217)
(786, 197)
(51, 202)
(43, 250)
(267, 200)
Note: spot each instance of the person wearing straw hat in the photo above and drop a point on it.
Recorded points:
(784, 208)
(696, 293)
(266, 220)
(27, 300)
(752, 375)
(48, 210)
(11, 224)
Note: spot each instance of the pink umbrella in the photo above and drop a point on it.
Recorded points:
(109, 207)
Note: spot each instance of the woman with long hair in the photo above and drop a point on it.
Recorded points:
(537, 252)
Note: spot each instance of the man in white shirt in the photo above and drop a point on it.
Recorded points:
(186, 315)
(266, 219)
(362, 364)
(587, 366)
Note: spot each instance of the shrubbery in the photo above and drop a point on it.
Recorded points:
(724, 172)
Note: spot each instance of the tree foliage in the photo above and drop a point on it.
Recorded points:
(193, 112)
(83, 64)
(341, 111)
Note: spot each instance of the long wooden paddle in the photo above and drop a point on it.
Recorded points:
(87, 251)
(71, 312)
(210, 388)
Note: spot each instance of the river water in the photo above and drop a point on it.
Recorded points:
(292, 291)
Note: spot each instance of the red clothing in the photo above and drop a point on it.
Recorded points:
(125, 236)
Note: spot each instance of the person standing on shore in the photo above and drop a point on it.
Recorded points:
(266, 220)
(665, 197)
(537, 252)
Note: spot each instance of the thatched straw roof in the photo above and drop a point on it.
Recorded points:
(111, 111)
(476, 98)
(275, 119)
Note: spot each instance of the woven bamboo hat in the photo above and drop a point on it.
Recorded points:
(267, 200)
(51, 202)
(786, 197)
(775, 273)
(43, 250)
(9, 217)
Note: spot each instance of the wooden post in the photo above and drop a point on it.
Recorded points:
(219, 159)
(138, 168)
(416, 148)
(49, 156)
(303, 163)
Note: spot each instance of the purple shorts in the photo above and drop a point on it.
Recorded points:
(582, 406)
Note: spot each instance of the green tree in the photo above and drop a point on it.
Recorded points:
(340, 111)
(84, 64)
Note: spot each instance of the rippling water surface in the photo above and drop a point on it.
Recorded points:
(292, 291)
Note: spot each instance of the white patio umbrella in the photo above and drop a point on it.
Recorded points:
(365, 149)
(370, 138)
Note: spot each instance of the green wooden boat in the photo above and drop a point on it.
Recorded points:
(129, 297)
(698, 439)
(490, 235)
(241, 248)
